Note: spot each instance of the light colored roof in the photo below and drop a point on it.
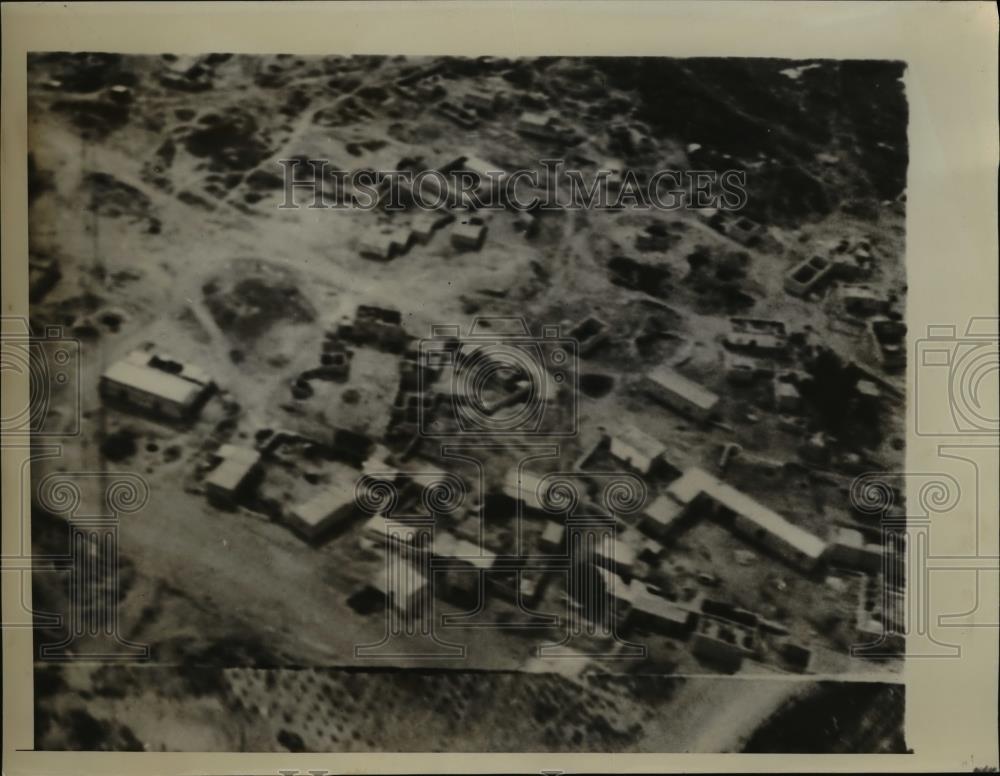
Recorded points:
(154, 382)
(755, 339)
(782, 388)
(406, 581)
(469, 231)
(616, 586)
(768, 519)
(538, 119)
(645, 601)
(238, 453)
(523, 485)
(678, 384)
(377, 526)
(324, 504)
(850, 537)
(425, 474)
(636, 446)
(621, 553)
(868, 388)
(664, 510)
(691, 484)
(447, 545)
(377, 241)
(553, 532)
(190, 372)
(229, 474)
(860, 292)
(695, 481)
(481, 166)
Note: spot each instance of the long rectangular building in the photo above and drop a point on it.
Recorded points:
(679, 393)
(750, 518)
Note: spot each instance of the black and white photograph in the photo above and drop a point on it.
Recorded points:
(439, 403)
(521, 400)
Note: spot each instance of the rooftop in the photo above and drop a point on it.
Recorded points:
(678, 384)
(696, 481)
(664, 510)
(449, 546)
(631, 443)
(154, 382)
(336, 495)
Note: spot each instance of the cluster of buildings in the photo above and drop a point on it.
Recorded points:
(449, 559)
(679, 497)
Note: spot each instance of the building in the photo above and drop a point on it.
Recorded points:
(862, 300)
(855, 266)
(531, 586)
(487, 176)
(880, 620)
(680, 394)
(426, 223)
(757, 336)
(618, 595)
(483, 100)
(662, 518)
(553, 538)
(615, 556)
(542, 126)
(723, 610)
(335, 360)
(741, 370)
(723, 643)
(332, 507)
(808, 276)
(383, 243)
(468, 236)
(745, 516)
(799, 658)
(156, 383)
(744, 231)
(464, 117)
(849, 549)
(524, 486)
(378, 529)
(889, 339)
(379, 326)
(636, 449)
(656, 614)
(409, 407)
(403, 589)
(787, 398)
(235, 470)
(377, 244)
(459, 553)
(459, 567)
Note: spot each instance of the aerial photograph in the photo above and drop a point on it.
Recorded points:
(430, 404)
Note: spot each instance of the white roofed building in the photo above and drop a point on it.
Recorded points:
(679, 393)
